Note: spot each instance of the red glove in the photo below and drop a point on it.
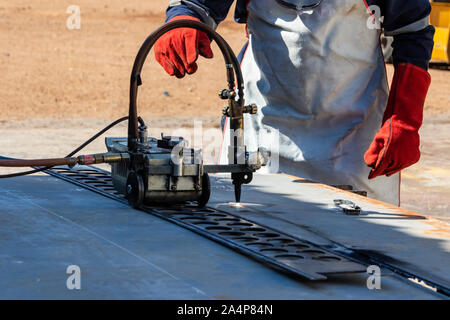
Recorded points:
(396, 145)
(177, 51)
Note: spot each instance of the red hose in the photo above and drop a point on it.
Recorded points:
(39, 162)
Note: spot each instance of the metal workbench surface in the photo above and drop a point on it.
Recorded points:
(47, 224)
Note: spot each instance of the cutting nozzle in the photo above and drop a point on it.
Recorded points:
(237, 192)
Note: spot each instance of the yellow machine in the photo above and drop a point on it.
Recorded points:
(440, 19)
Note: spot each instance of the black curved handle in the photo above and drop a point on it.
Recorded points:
(231, 64)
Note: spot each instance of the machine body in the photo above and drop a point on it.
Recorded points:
(165, 170)
(162, 171)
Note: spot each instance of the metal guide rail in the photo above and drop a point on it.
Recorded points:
(296, 257)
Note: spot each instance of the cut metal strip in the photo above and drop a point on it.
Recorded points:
(288, 254)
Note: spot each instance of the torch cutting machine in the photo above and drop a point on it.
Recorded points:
(155, 171)
(166, 170)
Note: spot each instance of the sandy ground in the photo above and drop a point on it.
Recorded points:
(59, 86)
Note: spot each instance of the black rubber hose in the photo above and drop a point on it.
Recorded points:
(231, 63)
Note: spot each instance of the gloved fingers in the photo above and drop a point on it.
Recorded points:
(389, 165)
(401, 152)
(181, 45)
(374, 151)
(204, 46)
(191, 46)
(185, 41)
(378, 156)
(395, 162)
(190, 54)
(162, 56)
(194, 44)
(169, 51)
(178, 50)
(380, 168)
(191, 68)
(400, 165)
(176, 61)
(392, 169)
(174, 69)
(163, 60)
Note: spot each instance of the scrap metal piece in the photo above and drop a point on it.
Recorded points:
(348, 207)
(283, 252)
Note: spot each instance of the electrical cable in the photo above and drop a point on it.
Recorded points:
(82, 146)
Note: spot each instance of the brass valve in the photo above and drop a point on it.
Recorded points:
(252, 109)
(225, 94)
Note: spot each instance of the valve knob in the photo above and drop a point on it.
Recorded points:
(225, 94)
(252, 109)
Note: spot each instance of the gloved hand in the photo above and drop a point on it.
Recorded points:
(396, 145)
(177, 51)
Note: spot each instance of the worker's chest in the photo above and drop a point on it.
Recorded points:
(339, 25)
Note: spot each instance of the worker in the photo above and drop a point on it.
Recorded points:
(316, 71)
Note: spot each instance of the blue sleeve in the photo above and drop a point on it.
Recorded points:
(415, 48)
(408, 21)
(217, 9)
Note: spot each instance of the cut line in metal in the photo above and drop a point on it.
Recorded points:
(283, 252)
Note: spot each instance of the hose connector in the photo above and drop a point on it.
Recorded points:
(107, 157)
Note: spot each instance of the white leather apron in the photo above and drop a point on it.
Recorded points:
(318, 78)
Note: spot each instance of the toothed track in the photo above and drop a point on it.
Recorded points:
(280, 251)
